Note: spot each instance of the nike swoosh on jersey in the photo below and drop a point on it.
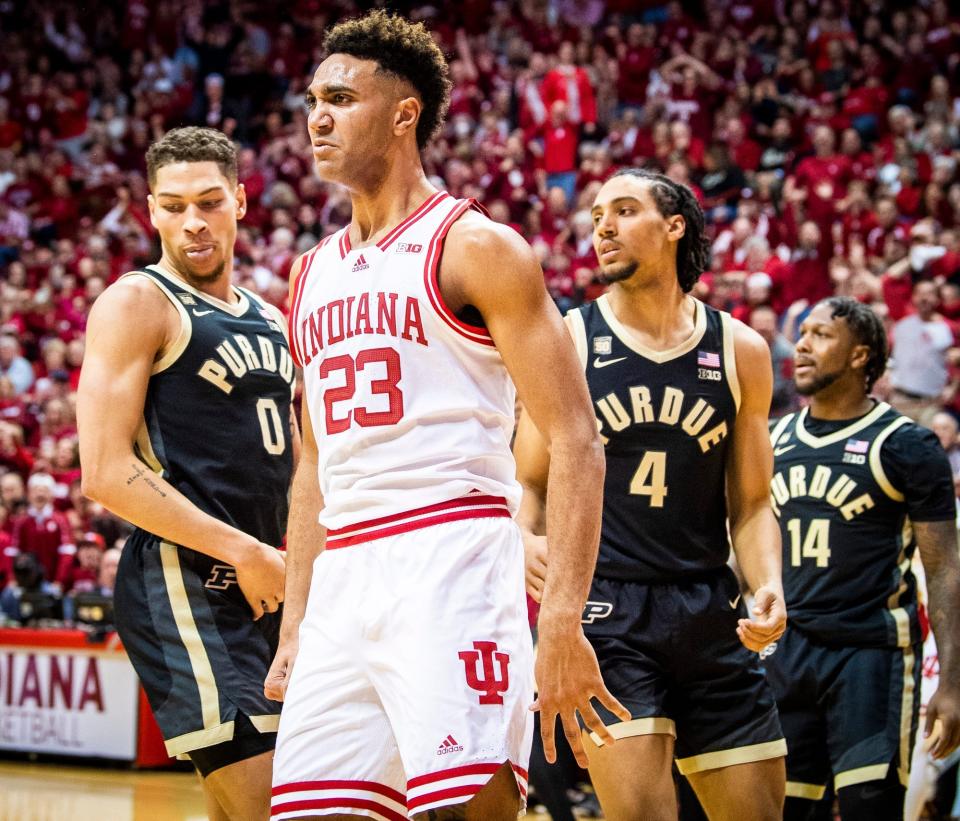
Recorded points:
(733, 604)
(201, 313)
(779, 451)
(598, 363)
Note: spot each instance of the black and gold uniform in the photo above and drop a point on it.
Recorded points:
(663, 608)
(846, 672)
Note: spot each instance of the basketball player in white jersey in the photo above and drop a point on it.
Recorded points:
(405, 610)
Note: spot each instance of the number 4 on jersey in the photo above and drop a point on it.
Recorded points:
(651, 477)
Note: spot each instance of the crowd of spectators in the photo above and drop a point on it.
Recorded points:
(821, 139)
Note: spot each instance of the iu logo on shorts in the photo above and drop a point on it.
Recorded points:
(485, 679)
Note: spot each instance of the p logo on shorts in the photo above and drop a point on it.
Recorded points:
(594, 610)
(221, 577)
(485, 680)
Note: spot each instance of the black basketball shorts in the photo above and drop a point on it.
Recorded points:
(191, 637)
(849, 713)
(671, 655)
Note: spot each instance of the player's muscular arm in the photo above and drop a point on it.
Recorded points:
(937, 543)
(490, 267)
(533, 465)
(306, 538)
(753, 527)
(129, 325)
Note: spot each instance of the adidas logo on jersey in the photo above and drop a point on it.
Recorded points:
(360, 265)
(409, 248)
(449, 745)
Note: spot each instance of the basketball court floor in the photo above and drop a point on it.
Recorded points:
(59, 792)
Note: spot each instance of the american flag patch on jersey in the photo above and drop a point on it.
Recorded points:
(708, 359)
(856, 446)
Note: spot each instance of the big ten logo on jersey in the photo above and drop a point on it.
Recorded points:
(708, 366)
(855, 452)
(236, 357)
(672, 407)
(367, 314)
(221, 577)
(481, 675)
(272, 323)
(409, 248)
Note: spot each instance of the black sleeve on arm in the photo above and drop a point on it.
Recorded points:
(917, 466)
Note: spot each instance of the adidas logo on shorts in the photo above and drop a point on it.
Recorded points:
(449, 745)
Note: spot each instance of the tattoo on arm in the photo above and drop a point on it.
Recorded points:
(140, 473)
(937, 543)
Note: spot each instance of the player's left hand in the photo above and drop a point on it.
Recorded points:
(568, 676)
(941, 731)
(768, 622)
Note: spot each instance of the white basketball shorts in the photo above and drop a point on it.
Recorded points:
(414, 675)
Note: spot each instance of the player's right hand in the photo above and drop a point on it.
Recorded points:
(278, 676)
(568, 677)
(535, 564)
(261, 576)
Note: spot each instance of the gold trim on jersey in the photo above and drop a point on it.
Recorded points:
(179, 345)
(798, 789)
(651, 725)
(269, 723)
(180, 745)
(578, 332)
(730, 357)
(876, 466)
(629, 338)
(906, 714)
(735, 755)
(872, 772)
(196, 652)
(143, 448)
(238, 308)
(843, 433)
(780, 427)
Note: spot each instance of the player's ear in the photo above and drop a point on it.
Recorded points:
(241, 197)
(152, 207)
(676, 227)
(859, 356)
(406, 115)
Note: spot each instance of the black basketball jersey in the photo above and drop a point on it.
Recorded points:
(847, 539)
(665, 418)
(216, 421)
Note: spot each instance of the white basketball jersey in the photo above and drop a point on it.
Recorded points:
(410, 406)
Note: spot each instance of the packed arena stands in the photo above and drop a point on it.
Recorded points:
(822, 143)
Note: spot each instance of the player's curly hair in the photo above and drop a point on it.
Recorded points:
(671, 197)
(192, 144)
(405, 50)
(868, 329)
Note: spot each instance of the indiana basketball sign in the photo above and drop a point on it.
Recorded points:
(67, 702)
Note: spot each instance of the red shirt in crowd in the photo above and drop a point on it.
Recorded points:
(570, 84)
(559, 148)
(46, 534)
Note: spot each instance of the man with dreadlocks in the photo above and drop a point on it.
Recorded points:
(681, 393)
(857, 488)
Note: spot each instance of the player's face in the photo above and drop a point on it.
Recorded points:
(629, 232)
(824, 351)
(195, 209)
(352, 114)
